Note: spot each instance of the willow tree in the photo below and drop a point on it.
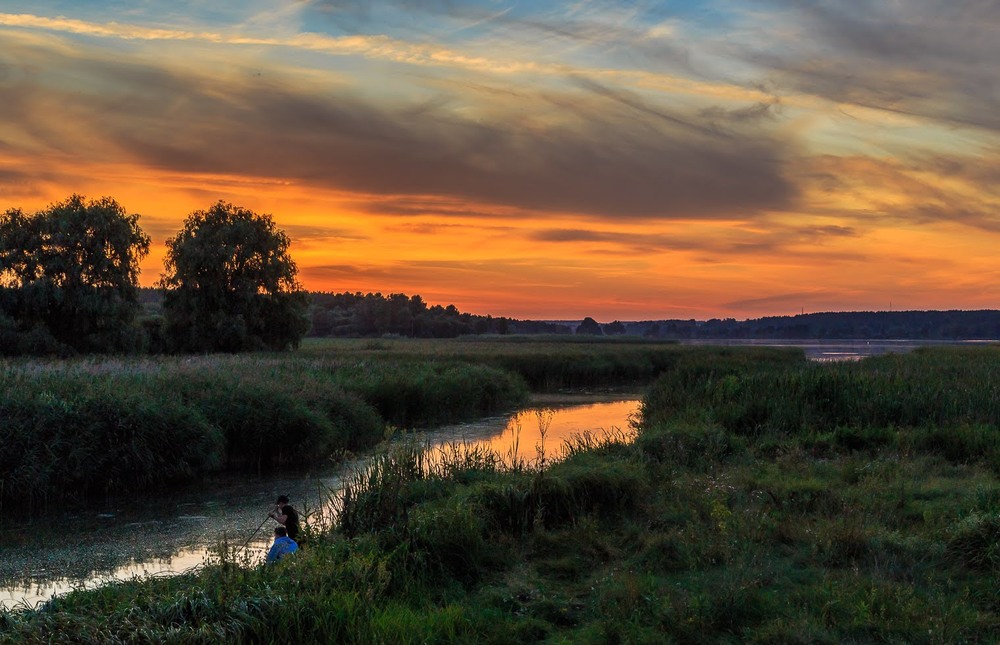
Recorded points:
(230, 284)
(69, 276)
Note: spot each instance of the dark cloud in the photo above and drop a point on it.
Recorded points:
(424, 272)
(786, 301)
(614, 154)
(719, 117)
(813, 232)
(629, 242)
(929, 58)
(17, 184)
(970, 198)
(977, 215)
(982, 170)
(421, 205)
(635, 104)
(299, 232)
(776, 239)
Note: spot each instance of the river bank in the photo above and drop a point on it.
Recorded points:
(173, 532)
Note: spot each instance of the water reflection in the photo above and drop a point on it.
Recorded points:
(837, 350)
(542, 429)
(170, 534)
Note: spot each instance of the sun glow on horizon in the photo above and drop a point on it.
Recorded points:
(685, 162)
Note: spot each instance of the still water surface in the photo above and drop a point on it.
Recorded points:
(839, 350)
(169, 534)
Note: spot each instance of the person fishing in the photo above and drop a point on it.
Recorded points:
(285, 515)
(283, 545)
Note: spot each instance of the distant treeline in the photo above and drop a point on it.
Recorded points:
(358, 315)
(901, 325)
(372, 314)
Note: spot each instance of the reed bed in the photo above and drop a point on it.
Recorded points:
(90, 427)
(84, 428)
(546, 363)
(944, 401)
(828, 513)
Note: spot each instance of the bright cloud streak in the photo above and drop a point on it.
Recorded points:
(546, 160)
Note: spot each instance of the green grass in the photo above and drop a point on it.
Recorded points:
(546, 363)
(763, 500)
(87, 428)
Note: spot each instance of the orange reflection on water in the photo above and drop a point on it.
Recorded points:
(536, 431)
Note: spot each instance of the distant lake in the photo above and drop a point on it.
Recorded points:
(839, 350)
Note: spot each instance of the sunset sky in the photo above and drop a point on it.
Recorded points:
(548, 160)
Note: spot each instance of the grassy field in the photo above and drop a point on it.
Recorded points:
(761, 499)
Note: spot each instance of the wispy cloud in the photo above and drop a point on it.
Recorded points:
(606, 153)
(929, 58)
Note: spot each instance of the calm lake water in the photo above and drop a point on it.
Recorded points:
(172, 533)
(841, 350)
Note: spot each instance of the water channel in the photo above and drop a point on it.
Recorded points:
(171, 533)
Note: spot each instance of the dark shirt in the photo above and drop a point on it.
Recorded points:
(291, 521)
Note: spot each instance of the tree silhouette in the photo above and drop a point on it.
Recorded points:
(69, 277)
(590, 326)
(230, 284)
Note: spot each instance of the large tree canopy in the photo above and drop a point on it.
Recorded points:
(69, 276)
(230, 284)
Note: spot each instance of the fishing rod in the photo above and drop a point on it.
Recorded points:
(252, 535)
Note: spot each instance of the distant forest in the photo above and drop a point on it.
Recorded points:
(363, 315)
(896, 325)
(373, 315)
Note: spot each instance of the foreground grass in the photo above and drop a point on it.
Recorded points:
(779, 522)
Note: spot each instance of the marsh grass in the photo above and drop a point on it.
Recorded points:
(89, 428)
(92, 427)
(836, 512)
(546, 363)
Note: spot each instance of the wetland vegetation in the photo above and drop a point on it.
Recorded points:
(90, 427)
(759, 498)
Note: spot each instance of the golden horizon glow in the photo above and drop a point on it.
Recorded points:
(547, 161)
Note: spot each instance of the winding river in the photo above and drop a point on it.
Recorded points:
(172, 533)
